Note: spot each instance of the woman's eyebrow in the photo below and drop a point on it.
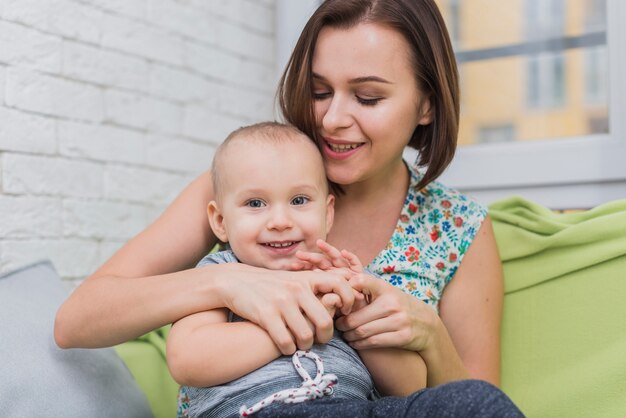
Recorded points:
(369, 78)
(358, 80)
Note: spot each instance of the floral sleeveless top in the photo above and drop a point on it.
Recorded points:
(436, 227)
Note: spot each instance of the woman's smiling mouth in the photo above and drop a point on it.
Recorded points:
(343, 147)
(340, 150)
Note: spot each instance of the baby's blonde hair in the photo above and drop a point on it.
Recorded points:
(267, 132)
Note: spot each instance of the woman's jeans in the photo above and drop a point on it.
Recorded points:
(466, 398)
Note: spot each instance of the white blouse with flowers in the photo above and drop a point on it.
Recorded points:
(436, 227)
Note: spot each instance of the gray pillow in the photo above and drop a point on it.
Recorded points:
(39, 379)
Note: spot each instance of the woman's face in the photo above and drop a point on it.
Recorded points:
(367, 102)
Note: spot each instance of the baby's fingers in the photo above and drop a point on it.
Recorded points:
(315, 260)
(353, 260)
(301, 265)
(331, 302)
(333, 254)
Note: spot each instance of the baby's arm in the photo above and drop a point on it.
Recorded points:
(204, 349)
(396, 372)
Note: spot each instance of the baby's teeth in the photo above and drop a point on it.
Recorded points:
(280, 245)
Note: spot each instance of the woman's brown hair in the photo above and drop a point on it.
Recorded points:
(421, 24)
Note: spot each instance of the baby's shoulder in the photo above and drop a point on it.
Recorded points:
(219, 257)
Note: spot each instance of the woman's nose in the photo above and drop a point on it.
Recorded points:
(336, 115)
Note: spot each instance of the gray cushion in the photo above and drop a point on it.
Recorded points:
(39, 379)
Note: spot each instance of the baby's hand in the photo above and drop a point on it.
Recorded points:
(330, 258)
(332, 302)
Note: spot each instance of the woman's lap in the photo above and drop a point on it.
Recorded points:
(467, 398)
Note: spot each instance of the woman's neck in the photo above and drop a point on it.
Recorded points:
(371, 192)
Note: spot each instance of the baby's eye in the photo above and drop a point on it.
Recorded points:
(299, 200)
(255, 203)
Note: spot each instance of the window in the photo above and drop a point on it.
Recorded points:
(493, 134)
(543, 96)
(546, 67)
(546, 81)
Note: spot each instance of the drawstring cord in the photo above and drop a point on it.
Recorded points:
(319, 387)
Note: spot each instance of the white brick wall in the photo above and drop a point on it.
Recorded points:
(108, 108)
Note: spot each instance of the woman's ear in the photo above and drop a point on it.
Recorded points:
(426, 112)
(216, 220)
(330, 212)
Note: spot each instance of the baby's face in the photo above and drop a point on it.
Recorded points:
(274, 201)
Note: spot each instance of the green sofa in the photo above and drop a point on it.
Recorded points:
(564, 324)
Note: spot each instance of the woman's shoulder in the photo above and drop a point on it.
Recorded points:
(446, 221)
(443, 202)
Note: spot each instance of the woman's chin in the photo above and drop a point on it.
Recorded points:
(341, 178)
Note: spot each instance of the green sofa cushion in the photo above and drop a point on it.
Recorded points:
(145, 357)
(564, 324)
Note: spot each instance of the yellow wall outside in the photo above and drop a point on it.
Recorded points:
(494, 92)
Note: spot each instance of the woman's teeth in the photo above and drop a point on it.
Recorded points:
(342, 147)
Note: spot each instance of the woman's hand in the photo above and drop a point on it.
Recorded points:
(387, 318)
(391, 319)
(283, 303)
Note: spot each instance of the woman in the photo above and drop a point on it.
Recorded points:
(366, 79)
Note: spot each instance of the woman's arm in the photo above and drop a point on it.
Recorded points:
(205, 350)
(396, 372)
(137, 289)
(471, 308)
(141, 288)
(463, 342)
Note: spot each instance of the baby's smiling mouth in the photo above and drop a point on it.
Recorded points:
(281, 244)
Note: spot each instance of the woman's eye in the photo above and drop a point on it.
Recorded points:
(320, 95)
(255, 203)
(299, 200)
(368, 102)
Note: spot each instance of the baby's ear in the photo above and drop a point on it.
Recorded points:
(330, 212)
(216, 220)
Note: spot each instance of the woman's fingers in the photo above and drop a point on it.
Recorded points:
(275, 327)
(392, 318)
(384, 340)
(365, 315)
(285, 303)
(320, 318)
(377, 326)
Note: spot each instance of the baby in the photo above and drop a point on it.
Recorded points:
(271, 200)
